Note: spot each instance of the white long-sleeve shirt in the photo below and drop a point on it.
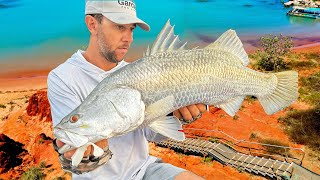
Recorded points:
(68, 85)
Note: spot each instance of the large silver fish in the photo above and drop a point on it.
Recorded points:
(168, 77)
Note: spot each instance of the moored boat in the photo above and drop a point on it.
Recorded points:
(305, 12)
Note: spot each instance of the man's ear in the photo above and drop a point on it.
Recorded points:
(92, 24)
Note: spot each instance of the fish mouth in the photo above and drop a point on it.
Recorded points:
(70, 138)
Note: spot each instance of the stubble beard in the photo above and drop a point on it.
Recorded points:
(105, 49)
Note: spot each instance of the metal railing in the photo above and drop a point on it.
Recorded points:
(248, 147)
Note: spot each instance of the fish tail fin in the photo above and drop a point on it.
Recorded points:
(168, 126)
(285, 93)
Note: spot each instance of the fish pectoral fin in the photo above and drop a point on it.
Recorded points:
(230, 42)
(231, 106)
(166, 41)
(168, 126)
(78, 155)
(157, 109)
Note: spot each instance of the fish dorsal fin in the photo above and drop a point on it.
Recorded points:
(166, 41)
(229, 41)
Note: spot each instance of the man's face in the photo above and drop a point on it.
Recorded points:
(114, 39)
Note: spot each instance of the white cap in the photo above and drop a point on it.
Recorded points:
(120, 11)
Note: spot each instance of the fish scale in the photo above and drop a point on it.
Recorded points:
(192, 74)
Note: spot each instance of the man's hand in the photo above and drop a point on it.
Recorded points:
(103, 143)
(191, 112)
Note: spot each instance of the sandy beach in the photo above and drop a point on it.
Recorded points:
(36, 79)
(19, 81)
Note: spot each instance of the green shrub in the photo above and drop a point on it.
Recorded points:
(253, 135)
(235, 117)
(274, 48)
(270, 64)
(207, 159)
(33, 173)
(214, 140)
(42, 164)
(229, 143)
(313, 56)
(59, 178)
(304, 126)
(310, 89)
(251, 99)
(51, 170)
(292, 56)
(294, 60)
(302, 64)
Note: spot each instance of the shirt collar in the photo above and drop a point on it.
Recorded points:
(78, 60)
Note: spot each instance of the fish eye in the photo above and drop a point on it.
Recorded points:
(74, 118)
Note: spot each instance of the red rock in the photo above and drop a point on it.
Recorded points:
(39, 105)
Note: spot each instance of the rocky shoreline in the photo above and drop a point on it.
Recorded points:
(303, 3)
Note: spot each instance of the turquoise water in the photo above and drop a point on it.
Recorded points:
(32, 28)
(314, 9)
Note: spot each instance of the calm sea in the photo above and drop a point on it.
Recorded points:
(31, 29)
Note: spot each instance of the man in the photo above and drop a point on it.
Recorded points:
(111, 25)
